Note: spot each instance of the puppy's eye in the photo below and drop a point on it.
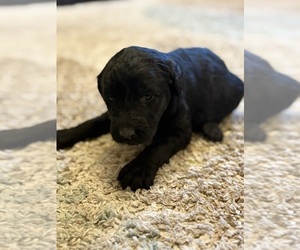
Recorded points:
(148, 97)
(110, 99)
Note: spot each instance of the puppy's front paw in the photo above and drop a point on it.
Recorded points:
(212, 131)
(64, 139)
(137, 175)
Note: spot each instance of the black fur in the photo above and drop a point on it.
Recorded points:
(69, 2)
(21, 137)
(159, 99)
(268, 92)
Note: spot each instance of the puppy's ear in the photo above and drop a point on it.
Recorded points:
(174, 71)
(107, 69)
(99, 80)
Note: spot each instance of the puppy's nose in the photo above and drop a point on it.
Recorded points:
(126, 132)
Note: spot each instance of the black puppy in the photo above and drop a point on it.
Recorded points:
(268, 92)
(159, 99)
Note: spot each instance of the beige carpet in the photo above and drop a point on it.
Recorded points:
(197, 199)
(27, 97)
(272, 176)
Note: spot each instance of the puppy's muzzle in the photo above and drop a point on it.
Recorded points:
(127, 133)
(132, 131)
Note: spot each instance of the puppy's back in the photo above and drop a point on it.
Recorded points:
(208, 83)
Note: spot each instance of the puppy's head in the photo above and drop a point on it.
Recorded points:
(137, 85)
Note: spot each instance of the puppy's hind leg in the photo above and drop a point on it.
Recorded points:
(88, 130)
(212, 131)
(254, 133)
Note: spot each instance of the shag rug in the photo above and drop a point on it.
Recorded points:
(272, 168)
(28, 91)
(197, 200)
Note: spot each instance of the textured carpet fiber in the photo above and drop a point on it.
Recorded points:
(27, 176)
(272, 173)
(197, 199)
